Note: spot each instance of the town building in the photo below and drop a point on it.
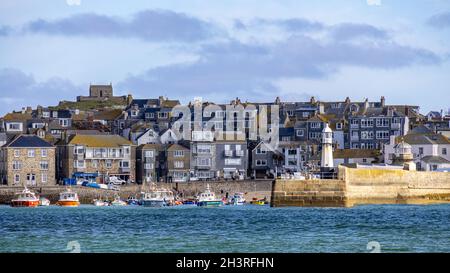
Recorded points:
(150, 163)
(27, 160)
(106, 155)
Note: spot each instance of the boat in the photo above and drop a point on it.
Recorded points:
(26, 198)
(259, 202)
(190, 202)
(237, 199)
(44, 202)
(68, 198)
(100, 203)
(157, 197)
(118, 202)
(133, 201)
(208, 199)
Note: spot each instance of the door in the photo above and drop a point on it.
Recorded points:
(31, 179)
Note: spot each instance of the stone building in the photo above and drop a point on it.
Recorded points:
(150, 163)
(107, 155)
(178, 163)
(27, 160)
(101, 93)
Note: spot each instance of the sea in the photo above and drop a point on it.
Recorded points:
(236, 229)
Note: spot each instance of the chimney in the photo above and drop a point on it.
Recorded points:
(390, 112)
(277, 100)
(321, 108)
(366, 103)
(347, 100)
(442, 114)
(39, 111)
(312, 100)
(383, 101)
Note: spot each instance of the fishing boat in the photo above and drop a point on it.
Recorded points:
(68, 198)
(118, 202)
(44, 202)
(208, 199)
(100, 203)
(26, 198)
(133, 201)
(157, 197)
(237, 199)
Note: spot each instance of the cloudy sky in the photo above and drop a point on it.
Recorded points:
(51, 50)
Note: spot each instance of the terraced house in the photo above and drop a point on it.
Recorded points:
(27, 160)
(107, 155)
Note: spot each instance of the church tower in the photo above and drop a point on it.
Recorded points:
(327, 149)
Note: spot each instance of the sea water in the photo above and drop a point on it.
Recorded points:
(379, 228)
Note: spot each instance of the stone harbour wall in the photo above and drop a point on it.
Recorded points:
(364, 186)
(251, 189)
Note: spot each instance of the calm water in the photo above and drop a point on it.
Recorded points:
(398, 228)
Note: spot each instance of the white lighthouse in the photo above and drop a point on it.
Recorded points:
(327, 148)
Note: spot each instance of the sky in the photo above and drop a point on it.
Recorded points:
(51, 50)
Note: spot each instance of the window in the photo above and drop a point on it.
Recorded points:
(364, 160)
(17, 165)
(94, 163)
(292, 152)
(17, 178)
(148, 153)
(260, 150)
(44, 152)
(14, 126)
(44, 165)
(366, 122)
(421, 150)
(126, 151)
(444, 151)
(300, 133)
(203, 161)
(44, 177)
(339, 126)
(315, 125)
(179, 164)
(64, 122)
(232, 161)
(204, 149)
(163, 115)
(79, 150)
(261, 162)
(16, 153)
(149, 115)
(125, 164)
(382, 122)
(108, 164)
(178, 153)
(134, 113)
(218, 125)
(382, 135)
(220, 114)
(31, 153)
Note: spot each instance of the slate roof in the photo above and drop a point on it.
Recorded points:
(28, 141)
(435, 159)
(423, 139)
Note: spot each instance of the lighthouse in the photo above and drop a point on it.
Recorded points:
(327, 149)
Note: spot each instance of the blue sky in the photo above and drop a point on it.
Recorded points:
(51, 50)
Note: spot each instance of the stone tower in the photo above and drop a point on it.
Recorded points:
(327, 149)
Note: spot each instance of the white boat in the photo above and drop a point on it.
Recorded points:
(100, 203)
(44, 202)
(238, 199)
(157, 197)
(118, 202)
(208, 199)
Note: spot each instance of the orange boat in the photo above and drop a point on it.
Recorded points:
(26, 198)
(68, 198)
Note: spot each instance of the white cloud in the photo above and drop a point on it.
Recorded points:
(374, 2)
(73, 2)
